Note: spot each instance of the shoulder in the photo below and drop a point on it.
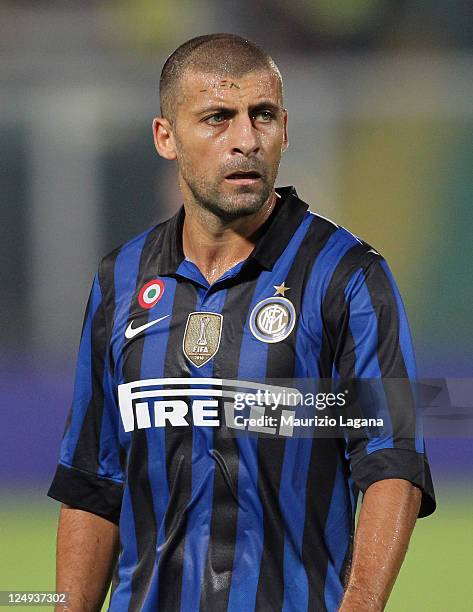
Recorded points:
(128, 251)
(354, 271)
(345, 267)
(343, 251)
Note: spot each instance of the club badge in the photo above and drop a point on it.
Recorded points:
(202, 337)
(272, 319)
(151, 293)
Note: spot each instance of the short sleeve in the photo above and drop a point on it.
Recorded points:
(376, 351)
(89, 475)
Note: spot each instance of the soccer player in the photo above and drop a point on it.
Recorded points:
(244, 282)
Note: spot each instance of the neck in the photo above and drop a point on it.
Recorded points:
(216, 245)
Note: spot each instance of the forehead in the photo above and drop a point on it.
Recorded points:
(201, 88)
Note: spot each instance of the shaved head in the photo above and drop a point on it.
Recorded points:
(221, 54)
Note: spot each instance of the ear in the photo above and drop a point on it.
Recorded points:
(164, 138)
(285, 141)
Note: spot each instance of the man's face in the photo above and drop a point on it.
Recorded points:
(229, 135)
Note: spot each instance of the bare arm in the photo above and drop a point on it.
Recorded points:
(87, 547)
(387, 517)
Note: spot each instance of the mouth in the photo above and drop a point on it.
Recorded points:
(243, 178)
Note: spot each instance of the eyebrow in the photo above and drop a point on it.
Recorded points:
(263, 105)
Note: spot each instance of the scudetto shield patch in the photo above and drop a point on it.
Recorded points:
(202, 336)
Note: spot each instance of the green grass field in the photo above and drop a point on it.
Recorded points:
(436, 576)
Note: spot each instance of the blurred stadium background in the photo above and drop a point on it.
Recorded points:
(380, 99)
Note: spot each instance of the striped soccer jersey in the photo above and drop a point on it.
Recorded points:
(217, 522)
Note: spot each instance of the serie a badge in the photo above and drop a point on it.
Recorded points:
(202, 337)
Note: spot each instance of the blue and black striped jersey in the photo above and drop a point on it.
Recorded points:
(217, 522)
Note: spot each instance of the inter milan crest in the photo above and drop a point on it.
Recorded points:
(272, 319)
(151, 293)
(202, 336)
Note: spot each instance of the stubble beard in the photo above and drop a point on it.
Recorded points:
(228, 203)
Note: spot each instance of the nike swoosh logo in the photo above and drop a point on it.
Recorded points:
(131, 331)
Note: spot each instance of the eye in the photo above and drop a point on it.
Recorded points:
(216, 119)
(264, 115)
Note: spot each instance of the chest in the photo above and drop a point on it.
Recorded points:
(256, 328)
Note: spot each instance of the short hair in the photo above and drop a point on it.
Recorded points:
(225, 54)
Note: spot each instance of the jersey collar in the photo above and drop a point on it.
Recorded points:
(274, 234)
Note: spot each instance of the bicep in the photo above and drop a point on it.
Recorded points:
(376, 355)
(89, 474)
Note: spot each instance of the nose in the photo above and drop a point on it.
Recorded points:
(245, 138)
